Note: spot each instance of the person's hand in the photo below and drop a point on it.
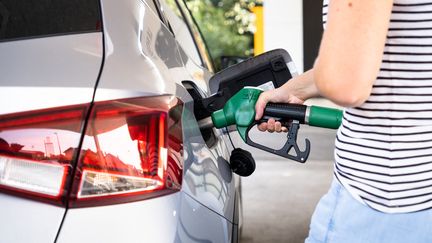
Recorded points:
(279, 95)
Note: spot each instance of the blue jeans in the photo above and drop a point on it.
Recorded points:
(339, 218)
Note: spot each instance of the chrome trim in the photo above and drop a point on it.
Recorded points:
(307, 115)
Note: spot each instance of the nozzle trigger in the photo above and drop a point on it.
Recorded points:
(291, 143)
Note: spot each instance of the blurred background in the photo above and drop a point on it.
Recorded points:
(279, 198)
(237, 29)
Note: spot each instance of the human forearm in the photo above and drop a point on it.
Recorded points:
(302, 86)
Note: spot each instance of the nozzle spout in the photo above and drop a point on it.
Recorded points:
(205, 123)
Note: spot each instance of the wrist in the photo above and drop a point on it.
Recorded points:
(302, 86)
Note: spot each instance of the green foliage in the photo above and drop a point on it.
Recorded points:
(227, 26)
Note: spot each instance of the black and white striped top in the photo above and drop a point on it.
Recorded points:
(383, 154)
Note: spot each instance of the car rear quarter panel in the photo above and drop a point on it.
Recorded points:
(143, 59)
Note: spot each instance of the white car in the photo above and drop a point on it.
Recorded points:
(98, 137)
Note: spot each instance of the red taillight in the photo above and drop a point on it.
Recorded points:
(131, 150)
(37, 149)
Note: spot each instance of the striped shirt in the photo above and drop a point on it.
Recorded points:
(383, 153)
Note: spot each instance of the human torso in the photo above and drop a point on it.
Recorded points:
(384, 147)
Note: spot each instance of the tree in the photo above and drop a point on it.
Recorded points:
(227, 26)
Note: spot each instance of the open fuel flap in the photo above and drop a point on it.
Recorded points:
(266, 71)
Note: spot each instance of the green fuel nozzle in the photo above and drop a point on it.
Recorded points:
(239, 110)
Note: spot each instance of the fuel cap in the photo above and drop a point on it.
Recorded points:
(241, 162)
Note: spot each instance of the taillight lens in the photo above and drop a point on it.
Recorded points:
(132, 150)
(37, 149)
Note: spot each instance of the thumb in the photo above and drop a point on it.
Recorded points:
(260, 105)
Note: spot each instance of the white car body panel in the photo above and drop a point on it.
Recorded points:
(27, 220)
(33, 79)
(173, 218)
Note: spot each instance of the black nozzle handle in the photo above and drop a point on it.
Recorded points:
(285, 112)
(290, 144)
